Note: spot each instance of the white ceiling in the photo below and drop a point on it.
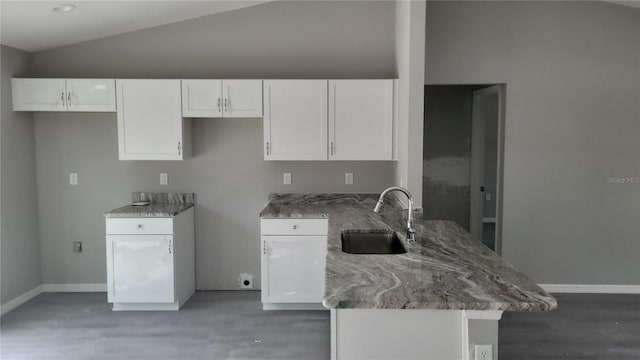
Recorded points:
(32, 26)
(632, 3)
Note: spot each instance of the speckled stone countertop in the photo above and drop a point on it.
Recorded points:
(161, 205)
(444, 269)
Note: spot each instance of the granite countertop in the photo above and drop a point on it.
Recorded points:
(444, 269)
(161, 205)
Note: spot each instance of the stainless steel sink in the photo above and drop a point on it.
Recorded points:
(371, 242)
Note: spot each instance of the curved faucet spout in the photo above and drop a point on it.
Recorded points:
(380, 206)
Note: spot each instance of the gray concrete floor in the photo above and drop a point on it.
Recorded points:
(585, 326)
(231, 325)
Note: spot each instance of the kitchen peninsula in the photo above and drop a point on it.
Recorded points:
(436, 301)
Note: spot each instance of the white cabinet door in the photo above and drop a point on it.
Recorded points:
(202, 98)
(293, 269)
(242, 98)
(149, 119)
(360, 119)
(39, 94)
(140, 269)
(295, 120)
(95, 95)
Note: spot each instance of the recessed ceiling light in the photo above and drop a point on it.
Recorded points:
(63, 8)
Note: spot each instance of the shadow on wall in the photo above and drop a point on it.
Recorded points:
(447, 153)
(446, 188)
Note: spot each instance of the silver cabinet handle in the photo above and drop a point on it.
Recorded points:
(62, 98)
(179, 148)
(219, 104)
(295, 227)
(139, 226)
(267, 148)
(332, 148)
(226, 104)
(69, 99)
(170, 248)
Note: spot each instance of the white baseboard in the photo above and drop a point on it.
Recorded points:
(74, 287)
(591, 289)
(21, 299)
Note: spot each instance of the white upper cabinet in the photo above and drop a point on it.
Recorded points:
(222, 98)
(39, 94)
(295, 120)
(242, 98)
(360, 119)
(91, 95)
(150, 125)
(202, 98)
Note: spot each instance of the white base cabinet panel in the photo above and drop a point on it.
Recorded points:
(412, 333)
(293, 263)
(148, 269)
(141, 268)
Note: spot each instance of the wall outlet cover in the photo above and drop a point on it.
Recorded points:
(164, 179)
(73, 178)
(348, 178)
(246, 281)
(286, 177)
(484, 352)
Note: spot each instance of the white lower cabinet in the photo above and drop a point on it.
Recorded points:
(293, 263)
(141, 268)
(150, 264)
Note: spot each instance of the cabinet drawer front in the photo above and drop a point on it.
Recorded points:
(294, 226)
(135, 226)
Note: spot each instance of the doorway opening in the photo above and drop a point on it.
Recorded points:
(463, 158)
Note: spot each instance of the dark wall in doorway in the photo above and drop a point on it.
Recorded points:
(447, 152)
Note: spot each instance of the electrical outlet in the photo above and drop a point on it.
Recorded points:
(484, 352)
(164, 179)
(77, 246)
(286, 178)
(487, 196)
(73, 178)
(246, 281)
(348, 178)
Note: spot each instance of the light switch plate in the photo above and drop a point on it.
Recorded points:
(73, 178)
(286, 178)
(348, 178)
(164, 179)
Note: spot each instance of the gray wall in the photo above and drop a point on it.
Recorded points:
(447, 153)
(572, 74)
(19, 245)
(228, 174)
